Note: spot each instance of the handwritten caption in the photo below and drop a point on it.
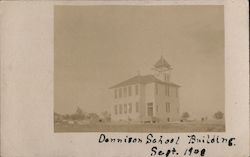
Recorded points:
(190, 141)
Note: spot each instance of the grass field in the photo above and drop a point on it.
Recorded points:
(158, 127)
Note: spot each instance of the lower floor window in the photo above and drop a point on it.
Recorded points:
(125, 108)
(130, 107)
(167, 107)
(116, 110)
(120, 108)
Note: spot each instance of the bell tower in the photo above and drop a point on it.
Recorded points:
(162, 70)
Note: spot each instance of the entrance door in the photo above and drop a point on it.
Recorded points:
(150, 109)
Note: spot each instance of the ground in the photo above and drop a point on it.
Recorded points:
(158, 127)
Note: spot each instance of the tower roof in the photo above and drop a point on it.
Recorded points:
(162, 63)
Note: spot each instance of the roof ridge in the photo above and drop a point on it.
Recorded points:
(141, 79)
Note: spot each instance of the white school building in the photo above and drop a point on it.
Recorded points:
(148, 98)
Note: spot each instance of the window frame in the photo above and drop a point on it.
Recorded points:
(129, 91)
(116, 94)
(116, 109)
(125, 108)
(120, 109)
(120, 92)
(167, 106)
(130, 108)
(156, 89)
(136, 89)
(177, 92)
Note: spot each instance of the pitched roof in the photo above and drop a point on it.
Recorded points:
(142, 80)
(162, 63)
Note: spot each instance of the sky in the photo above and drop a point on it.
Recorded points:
(96, 47)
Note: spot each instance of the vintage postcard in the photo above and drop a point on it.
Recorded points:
(124, 78)
(139, 68)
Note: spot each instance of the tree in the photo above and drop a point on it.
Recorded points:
(93, 117)
(106, 116)
(219, 115)
(78, 115)
(185, 115)
(57, 117)
(79, 111)
(66, 117)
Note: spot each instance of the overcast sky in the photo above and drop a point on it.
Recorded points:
(99, 46)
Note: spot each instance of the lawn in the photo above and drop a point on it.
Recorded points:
(158, 127)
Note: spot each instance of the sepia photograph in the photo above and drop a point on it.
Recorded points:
(157, 68)
(124, 78)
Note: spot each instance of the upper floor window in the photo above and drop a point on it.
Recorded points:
(156, 89)
(129, 91)
(137, 107)
(177, 94)
(167, 90)
(120, 92)
(115, 93)
(130, 108)
(125, 91)
(167, 107)
(116, 109)
(136, 89)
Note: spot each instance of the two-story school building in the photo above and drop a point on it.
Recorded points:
(147, 98)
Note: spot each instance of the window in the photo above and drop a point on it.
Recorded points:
(177, 94)
(136, 89)
(150, 109)
(116, 110)
(167, 90)
(125, 108)
(165, 77)
(156, 89)
(120, 108)
(125, 91)
(130, 108)
(115, 93)
(129, 91)
(120, 92)
(167, 107)
(168, 119)
(137, 107)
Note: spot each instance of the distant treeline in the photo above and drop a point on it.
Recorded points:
(80, 115)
